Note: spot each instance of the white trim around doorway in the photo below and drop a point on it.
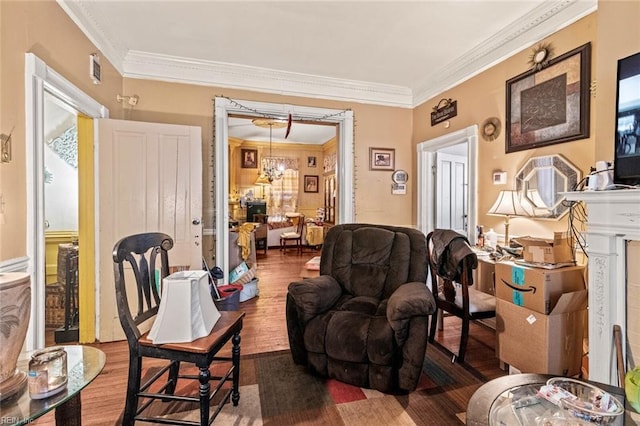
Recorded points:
(224, 107)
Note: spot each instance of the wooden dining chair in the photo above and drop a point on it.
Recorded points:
(295, 236)
(140, 262)
(262, 232)
(451, 268)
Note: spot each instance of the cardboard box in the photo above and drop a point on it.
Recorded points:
(539, 250)
(544, 344)
(535, 288)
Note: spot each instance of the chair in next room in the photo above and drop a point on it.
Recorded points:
(451, 264)
(295, 236)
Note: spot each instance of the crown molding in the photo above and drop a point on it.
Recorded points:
(210, 73)
(82, 14)
(542, 21)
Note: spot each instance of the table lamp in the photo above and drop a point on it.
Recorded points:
(262, 181)
(510, 204)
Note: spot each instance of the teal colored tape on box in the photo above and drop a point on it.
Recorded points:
(517, 275)
(517, 298)
(517, 278)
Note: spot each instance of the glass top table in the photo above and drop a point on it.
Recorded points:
(511, 400)
(84, 363)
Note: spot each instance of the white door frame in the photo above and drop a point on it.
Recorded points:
(224, 107)
(426, 152)
(38, 78)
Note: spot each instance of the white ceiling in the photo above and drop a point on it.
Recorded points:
(397, 53)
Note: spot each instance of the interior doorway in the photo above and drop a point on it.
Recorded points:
(40, 80)
(427, 153)
(224, 107)
(61, 213)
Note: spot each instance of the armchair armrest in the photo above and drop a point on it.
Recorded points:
(313, 296)
(409, 300)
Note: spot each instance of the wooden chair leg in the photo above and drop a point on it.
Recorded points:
(235, 359)
(133, 387)
(434, 323)
(205, 391)
(173, 377)
(464, 336)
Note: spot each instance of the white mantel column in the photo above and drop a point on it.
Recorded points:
(613, 217)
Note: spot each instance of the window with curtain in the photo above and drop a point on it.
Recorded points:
(282, 195)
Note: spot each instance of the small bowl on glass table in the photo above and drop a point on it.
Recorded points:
(591, 403)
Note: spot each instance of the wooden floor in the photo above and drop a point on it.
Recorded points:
(264, 331)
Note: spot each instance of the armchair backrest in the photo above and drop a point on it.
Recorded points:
(139, 287)
(374, 260)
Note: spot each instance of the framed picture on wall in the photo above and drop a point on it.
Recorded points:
(382, 158)
(310, 183)
(249, 159)
(551, 105)
(311, 161)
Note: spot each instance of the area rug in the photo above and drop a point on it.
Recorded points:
(275, 391)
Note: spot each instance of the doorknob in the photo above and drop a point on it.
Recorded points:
(196, 221)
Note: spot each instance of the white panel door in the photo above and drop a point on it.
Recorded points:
(150, 180)
(451, 192)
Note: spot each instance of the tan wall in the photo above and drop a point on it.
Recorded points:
(375, 126)
(40, 27)
(483, 96)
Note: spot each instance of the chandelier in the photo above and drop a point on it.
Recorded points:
(271, 167)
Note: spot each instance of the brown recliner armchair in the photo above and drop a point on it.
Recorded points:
(364, 320)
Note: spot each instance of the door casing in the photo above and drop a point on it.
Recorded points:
(426, 153)
(39, 77)
(224, 107)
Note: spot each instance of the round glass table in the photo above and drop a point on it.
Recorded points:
(511, 400)
(84, 363)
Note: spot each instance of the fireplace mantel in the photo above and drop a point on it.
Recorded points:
(613, 218)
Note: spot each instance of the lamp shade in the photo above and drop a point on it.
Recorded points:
(510, 203)
(262, 180)
(186, 311)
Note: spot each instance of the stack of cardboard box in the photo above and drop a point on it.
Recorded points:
(540, 317)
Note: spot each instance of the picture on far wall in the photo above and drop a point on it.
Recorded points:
(249, 158)
(549, 106)
(311, 161)
(311, 183)
(382, 158)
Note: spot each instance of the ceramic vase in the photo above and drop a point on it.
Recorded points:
(15, 310)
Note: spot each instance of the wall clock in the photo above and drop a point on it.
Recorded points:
(400, 176)
(490, 129)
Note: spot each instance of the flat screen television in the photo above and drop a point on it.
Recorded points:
(626, 165)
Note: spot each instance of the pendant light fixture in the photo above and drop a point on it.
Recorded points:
(271, 168)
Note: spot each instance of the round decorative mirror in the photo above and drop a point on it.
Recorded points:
(542, 180)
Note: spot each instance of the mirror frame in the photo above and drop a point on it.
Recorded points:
(562, 166)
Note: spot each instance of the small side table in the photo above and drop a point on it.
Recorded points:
(84, 363)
